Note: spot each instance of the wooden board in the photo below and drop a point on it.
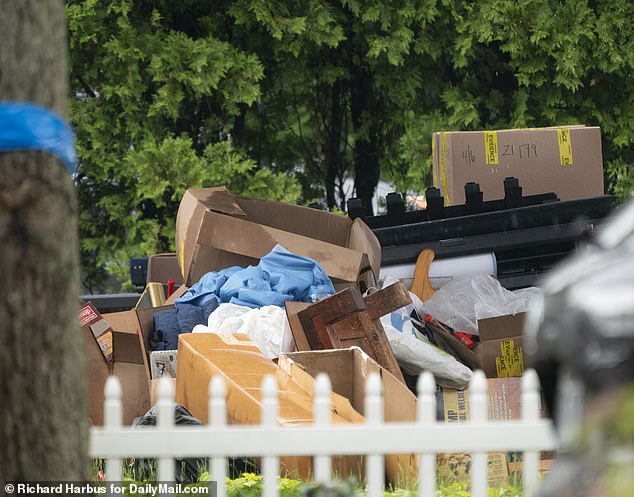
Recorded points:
(346, 319)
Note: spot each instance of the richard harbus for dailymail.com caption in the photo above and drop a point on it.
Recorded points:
(207, 488)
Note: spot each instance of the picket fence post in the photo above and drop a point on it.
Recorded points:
(113, 418)
(530, 414)
(322, 464)
(270, 410)
(374, 417)
(165, 422)
(426, 416)
(478, 417)
(218, 419)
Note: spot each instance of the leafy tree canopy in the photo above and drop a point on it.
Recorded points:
(285, 99)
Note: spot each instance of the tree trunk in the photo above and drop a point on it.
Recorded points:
(333, 153)
(366, 157)
(43, 419)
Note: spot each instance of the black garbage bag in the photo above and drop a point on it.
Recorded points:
(187, 470)
(579, 337)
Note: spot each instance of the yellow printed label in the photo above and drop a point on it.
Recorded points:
(510, 362)
(565, 147)
(181, 257)
(433, 154)
(443, 173)
(491, 147)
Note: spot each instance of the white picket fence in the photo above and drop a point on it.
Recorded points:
(269, 440)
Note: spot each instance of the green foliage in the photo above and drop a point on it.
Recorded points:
(250, 485)
(286, 100)
(154, 109)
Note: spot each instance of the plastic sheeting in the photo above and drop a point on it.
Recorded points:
(460, 303)
(280, 276)
(416, 354)
(25, 126)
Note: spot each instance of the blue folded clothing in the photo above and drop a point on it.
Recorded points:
(280, 276)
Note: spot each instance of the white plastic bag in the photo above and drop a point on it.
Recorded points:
(460, 303)
(266, 326)
(415, 354)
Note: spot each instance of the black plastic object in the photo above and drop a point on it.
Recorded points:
(580, 339)
(138, 271)
(528, 234)
(436, 209)
(187, 470)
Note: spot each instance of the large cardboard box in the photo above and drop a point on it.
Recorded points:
(215, 230)
(500, 351)
(565, 160)
(243, 367)
(503, 402)
(348, 370)
(130, 332)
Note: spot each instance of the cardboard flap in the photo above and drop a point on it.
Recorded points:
(218, 200)
(363, 239)
(499, 327)
(304, 221)
(218, 230)
(299, 336)
(127, 347)
(164, 267)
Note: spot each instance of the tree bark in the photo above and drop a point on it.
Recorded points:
(43, 418)
(366, 157)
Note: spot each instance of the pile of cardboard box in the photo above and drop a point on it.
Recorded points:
(215, 230)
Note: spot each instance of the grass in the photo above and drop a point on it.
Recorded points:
(249, 484)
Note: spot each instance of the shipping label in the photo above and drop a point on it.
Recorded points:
(510, 362)
(565, 147)
(443, 165)
(491, 147)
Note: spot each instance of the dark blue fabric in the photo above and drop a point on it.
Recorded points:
(170, 323)
(166, 331)
(25, 126)
(190, 315)
(280, 276)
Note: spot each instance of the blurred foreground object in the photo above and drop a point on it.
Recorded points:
(580, 339)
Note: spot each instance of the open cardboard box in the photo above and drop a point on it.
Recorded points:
(348, 370)
(243, 367)
(500, 351)
(215, 230)
(130, 332)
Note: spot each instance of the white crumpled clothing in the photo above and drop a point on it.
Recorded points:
(267, 326)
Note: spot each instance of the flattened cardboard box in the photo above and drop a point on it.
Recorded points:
(130, 332)
(243, 367)
(566, 160)
(215, 230)
(348, 370)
